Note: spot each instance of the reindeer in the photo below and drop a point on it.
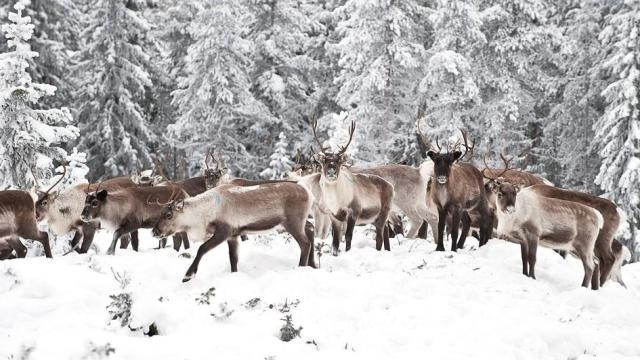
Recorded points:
(127, 209)
(350, 197)
(18, 219)
(611, 215)
(410, 185)
(457, 188)
(228, 211)
(527, 218)
(62, 209)
(622, 255)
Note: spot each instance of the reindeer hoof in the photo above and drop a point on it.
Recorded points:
(111, 252)
(335, 252)
(187, 277)
(439, 248)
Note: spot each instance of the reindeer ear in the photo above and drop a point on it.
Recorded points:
(456, 155)
(343, 158)
(179, 205)
(102, 195)
(431, 154)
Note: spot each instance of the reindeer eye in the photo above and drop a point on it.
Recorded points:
(168, 215)
(44, 203)
(94, 203)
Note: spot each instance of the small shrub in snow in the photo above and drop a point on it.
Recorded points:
(288, 331)
(99, 351)
(205, 297)
(224, 313)
(120, 306)
(185, 255)
(321, 248)
(23, 354)
(153, 330)
(251, 304)
(286, 307)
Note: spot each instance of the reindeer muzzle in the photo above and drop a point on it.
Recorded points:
(510, 209)
(156, 232)
(442, 179)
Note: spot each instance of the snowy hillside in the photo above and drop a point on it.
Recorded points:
(411, 303)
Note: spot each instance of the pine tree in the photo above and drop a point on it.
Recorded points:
(115, 76)
(213, 99)
(280, 163)
(618, 130)
(29, 138)
(380, 53)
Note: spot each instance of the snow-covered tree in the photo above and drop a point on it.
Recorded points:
(216, 106)
(280, 163)
(618, 130)
(115, 75)
(380, 54)
(29, 138)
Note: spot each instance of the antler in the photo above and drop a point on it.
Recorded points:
(64, 172)
(174, 192)
(314, 125)
(486, 167)
(158, 167)
(219, 164)
(35, 179)
(352, 130)
(465, 137)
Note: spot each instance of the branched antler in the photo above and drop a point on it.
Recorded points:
(504, 171)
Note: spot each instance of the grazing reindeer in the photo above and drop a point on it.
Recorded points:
(611, 215)
(622, 255)
(128, 209)
(356, 198)
(527, 218)
(457, 188)
(62, 210)
(228, 211)
(410, 185)
(18, 219)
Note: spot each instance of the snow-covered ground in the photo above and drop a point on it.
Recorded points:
(410, 303)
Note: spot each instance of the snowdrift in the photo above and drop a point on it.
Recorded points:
(410, 303)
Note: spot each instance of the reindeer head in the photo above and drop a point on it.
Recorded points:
(505, 193)
(166, 225)
(443, 161)
(93, 204)
(45, 198)
(303, 165)
(212, 176)
(330, 162)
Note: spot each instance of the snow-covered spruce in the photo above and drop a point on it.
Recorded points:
(30, 137)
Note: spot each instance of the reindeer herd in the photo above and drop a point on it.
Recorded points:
(325, 193)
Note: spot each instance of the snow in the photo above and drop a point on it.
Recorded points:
(401, 304)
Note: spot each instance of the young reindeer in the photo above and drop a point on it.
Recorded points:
(527, 218)
(457, 188)
(18, 219)
(128, 209)
(611, 215)
(62, 209)
(228, 211)
(356, 198)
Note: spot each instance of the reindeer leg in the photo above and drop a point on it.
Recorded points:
(442, 220)
(524, 254)
(88, 231)
(76, 238)
(185, 240)
(422, 233)
(18, 246)
(336, 229)
(220, 234)
(125, 240)
(466, 225)
(233, 253)
(39, 236)
(351, 223)
(310, 233)
(532, 242)
(177, 241)
(588, 264)
(455, 225)
(134, 240)
(387, 245)
(595, 278)
(116, 235)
